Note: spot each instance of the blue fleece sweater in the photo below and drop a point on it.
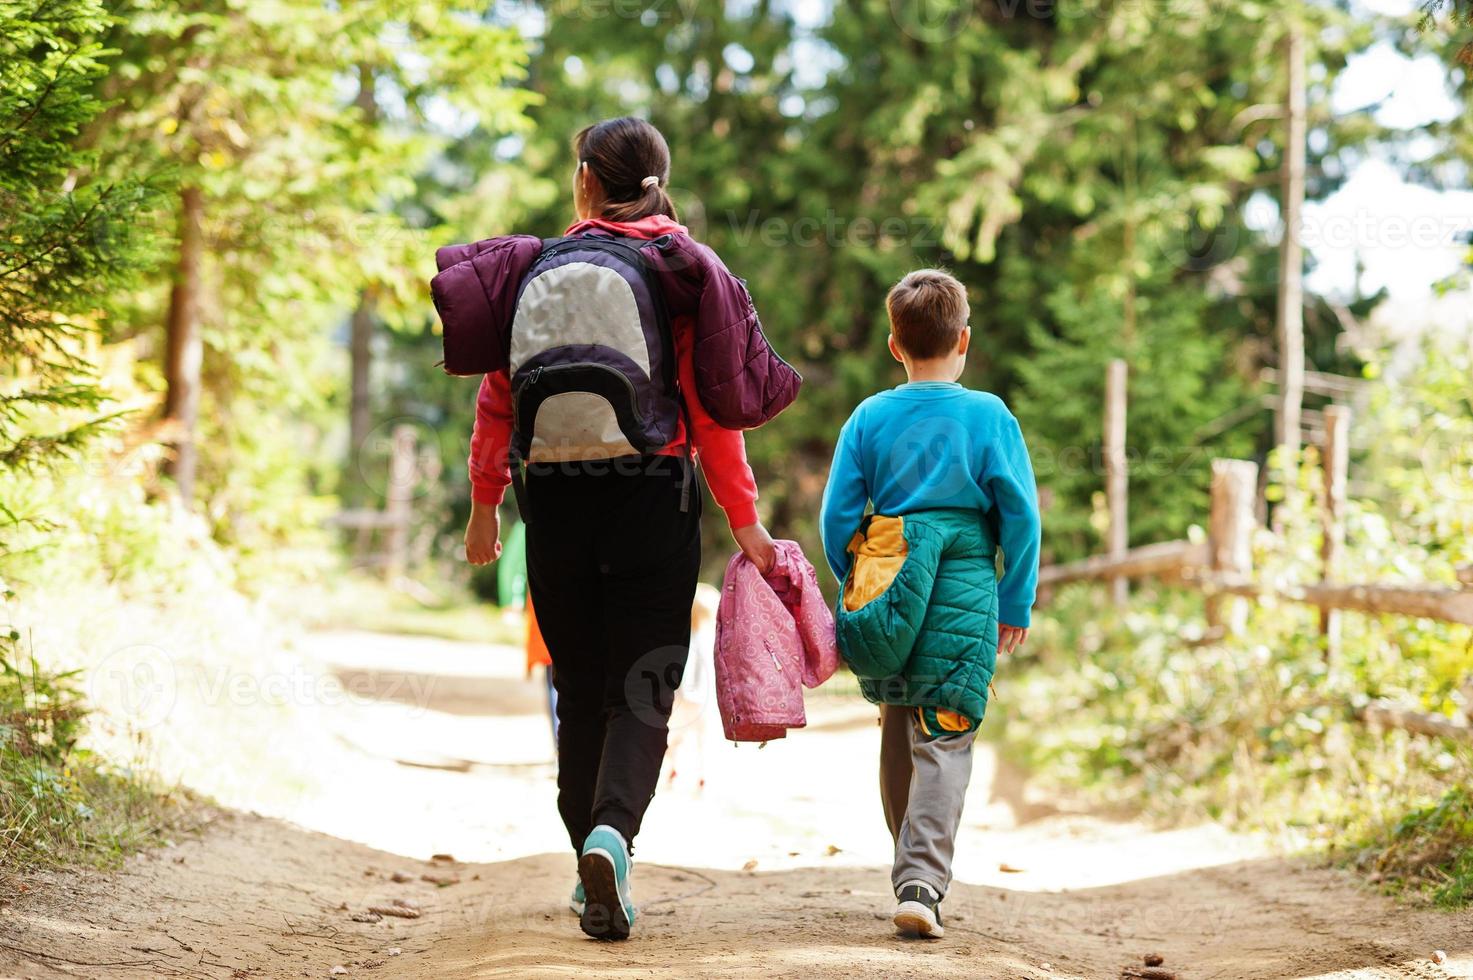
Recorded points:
(930, 444)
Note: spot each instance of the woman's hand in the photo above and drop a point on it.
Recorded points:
(483, 535)
(757, 545)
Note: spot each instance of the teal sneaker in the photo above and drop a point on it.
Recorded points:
(576, 901)
(604, 870)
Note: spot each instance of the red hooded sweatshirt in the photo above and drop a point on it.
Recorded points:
(721, 452)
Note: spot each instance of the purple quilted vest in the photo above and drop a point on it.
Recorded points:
(740, 379)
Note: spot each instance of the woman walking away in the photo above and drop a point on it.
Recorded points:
(615, 357)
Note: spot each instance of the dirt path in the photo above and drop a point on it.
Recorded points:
(777, 867)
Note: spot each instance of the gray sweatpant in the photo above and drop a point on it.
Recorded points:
(923, 783)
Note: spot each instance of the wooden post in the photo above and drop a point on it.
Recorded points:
(1230, 535)
(1336, 463)
(399, 494)
(1116, 478)
(1291, 267)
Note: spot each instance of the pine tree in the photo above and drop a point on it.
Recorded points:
(74, 230)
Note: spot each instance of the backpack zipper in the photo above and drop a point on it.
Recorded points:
(542, 369)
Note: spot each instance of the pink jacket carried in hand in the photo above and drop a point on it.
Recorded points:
(774, 637)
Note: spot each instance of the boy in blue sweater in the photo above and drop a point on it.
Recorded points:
(933, 445)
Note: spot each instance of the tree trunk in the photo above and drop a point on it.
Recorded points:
(360, 347)
(1291, 269)
(1116, 477)
(185, 350)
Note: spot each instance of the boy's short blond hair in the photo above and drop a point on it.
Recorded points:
(928, 312)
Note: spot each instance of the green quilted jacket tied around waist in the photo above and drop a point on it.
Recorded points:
(925, 634)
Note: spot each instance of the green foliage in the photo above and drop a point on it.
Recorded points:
(305, 150)
(442, 410)
(1257, 730)
(1417, 430)
(1431, 848)
(305, 127)
(1177, 396)
(1460, 18)
(60, 803)
(74, 228)
(1085, 176)
(1260, 728)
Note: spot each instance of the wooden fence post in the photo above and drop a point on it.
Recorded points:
(1335, 459)
(1116, 478)
(1230, 535)
(398, 496)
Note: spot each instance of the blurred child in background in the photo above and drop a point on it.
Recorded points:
(511, 590)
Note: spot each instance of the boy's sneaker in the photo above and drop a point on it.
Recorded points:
(608, 911)
(919, 911)
(576, 901)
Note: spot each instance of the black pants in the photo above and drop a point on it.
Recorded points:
(612, 564)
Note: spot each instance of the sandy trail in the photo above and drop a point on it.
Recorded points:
(777, 867)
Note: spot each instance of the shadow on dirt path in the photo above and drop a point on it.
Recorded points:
(256, 897)
(754, 863)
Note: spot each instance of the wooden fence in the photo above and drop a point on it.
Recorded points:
(1222, 566)
(408, 470)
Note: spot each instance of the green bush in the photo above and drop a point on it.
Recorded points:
(1431, 847)
(1257, 729)
(1262, 728)
(59, 803)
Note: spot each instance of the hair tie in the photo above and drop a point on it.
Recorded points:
(648, 182)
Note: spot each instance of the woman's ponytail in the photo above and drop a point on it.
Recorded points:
(624, 154)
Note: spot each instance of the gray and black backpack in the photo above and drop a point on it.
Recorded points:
(592, 359)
